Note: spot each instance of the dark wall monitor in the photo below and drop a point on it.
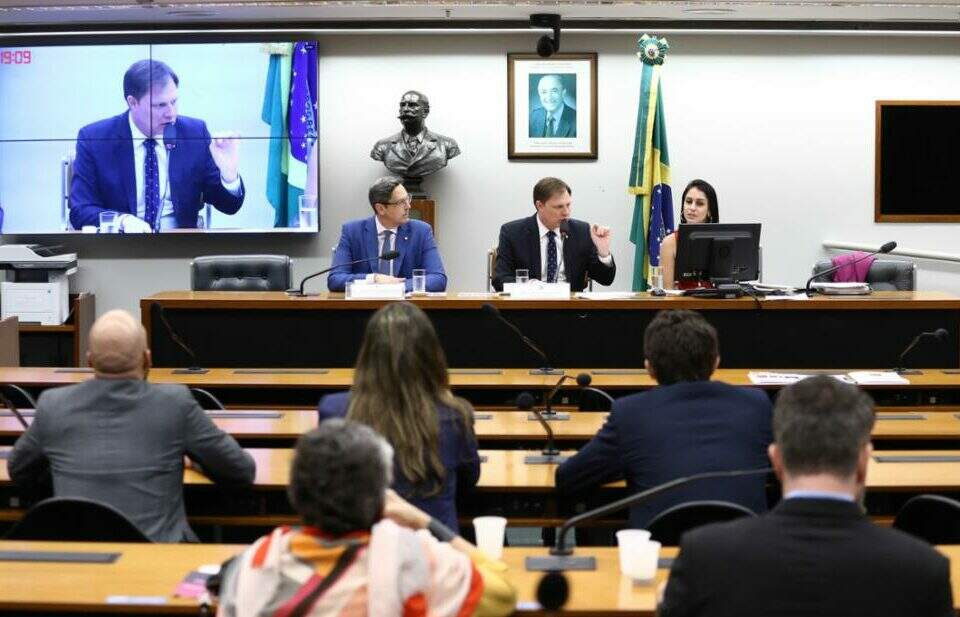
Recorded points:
(917, 157)
(718, 252)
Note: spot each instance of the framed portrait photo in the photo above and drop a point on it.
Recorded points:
(552, 106)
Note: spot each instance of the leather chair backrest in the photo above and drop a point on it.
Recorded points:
(883, 275)
(240, 273)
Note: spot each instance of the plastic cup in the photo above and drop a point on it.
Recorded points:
(638, 554)
(522, 276)
(490, 531)
(420, 282)
(308, 212)
(109, 222)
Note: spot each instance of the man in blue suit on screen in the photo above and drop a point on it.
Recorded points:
(389, 229)
(151, 167)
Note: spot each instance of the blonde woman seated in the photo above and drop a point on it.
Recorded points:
(363, 551)
(698, 204)
(402, 390)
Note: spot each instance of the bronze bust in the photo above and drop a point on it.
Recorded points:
(415, 151)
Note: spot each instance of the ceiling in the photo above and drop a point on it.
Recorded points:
(850, 15)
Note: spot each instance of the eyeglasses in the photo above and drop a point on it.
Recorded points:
(406, 201)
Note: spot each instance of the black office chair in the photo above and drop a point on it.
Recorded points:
(72, 519)
(667, 527)
(240, 273)
(883, 275)
(206, 400)
(933, 518)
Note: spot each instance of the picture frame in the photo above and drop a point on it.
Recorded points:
(552, 106)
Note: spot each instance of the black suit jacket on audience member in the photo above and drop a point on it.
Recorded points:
(807, 557)
(519, 248)
(673, 431)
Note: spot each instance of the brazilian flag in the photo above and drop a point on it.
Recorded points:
(650, 166)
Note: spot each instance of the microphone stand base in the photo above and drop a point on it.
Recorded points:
(557, 416)
(908, 371)
(295, 293)
(546, 371)
(194, 370)
(544, 459)
(553, 563)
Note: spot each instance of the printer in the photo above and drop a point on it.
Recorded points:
(39, 291)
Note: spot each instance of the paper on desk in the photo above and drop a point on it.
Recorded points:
(606, 295)
(776, 378)
(877, 378)
(427, 294)
(489, 295)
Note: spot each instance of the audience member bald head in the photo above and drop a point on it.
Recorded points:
(118, 347)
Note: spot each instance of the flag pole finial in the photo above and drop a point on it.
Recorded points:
(652, 49)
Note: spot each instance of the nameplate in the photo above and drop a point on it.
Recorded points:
(245, 415)
(917, 458)
(536, 290)
(900, 416)
(280, 371)
(619, 371)
(475, 371)
(84, 369)
(376, 291)
(59, 556)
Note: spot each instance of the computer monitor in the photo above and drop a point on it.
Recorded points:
(718, 252)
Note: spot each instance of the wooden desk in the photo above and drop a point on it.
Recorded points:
(156, 569)
(257, 328)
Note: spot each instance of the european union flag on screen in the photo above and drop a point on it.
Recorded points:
(291, 109)
(650, 166)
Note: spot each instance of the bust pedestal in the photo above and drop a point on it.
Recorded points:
(424, 210)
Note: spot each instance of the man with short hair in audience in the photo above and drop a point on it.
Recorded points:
(363, 551)
(686, 425)
(120, 440)
(816, 553)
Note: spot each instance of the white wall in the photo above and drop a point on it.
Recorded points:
(783, 126)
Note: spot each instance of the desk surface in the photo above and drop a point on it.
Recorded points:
(493, 378)
(156, 569)
(880, 300)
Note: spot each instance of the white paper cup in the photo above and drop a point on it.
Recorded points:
(635, 547)
(490, 531)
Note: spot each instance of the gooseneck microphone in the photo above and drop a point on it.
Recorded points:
(298, 293)
(940, 334)
(13, 409)
(886, 248)
(494, 312)
(194, 368)
(561, 558)
(564, 228)
(584, 380)
(550, 454)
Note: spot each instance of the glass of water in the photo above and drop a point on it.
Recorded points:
(109, 222)
(419, 282)
(522, 276)
(656, 278)
(308, 212)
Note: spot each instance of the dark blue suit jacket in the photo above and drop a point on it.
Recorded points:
(673, 431)
(104, 178)
(566, 127)
(414, 242)
(458, 453)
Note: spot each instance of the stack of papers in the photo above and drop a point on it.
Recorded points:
(878, 378)
(776, 378)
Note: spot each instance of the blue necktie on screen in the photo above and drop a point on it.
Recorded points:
(151, 182)
(551, 257)
(385, 248)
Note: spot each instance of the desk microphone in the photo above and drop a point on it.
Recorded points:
(564, 228)
(886, 248)
(194, 368)
(940, 334)
(584, 380)
(553, 590)
(298, 293)
(550, 454)
(494, 312)
(561, 558)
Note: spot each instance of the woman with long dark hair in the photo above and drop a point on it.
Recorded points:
(698, 204)
(401, 389)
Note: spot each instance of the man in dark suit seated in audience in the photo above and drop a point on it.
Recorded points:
(552, 246)
(816, 553)
(121, 440)
(686, 425)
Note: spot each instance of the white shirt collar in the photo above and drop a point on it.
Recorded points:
(555, 115)
(381, 228)
(543, 228)
(138, 135)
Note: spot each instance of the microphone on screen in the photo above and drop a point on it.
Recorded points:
(940, 334)
(886, 248)
(299, 293)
